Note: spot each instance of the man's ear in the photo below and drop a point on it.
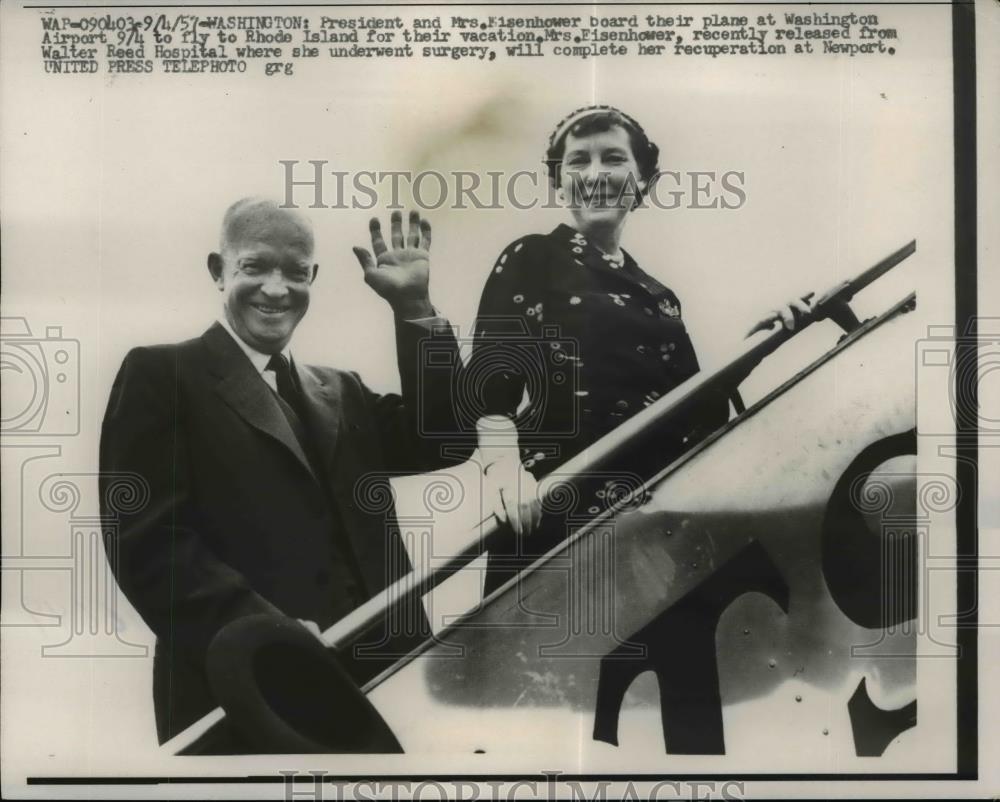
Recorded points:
(314, 272)
(215, 268)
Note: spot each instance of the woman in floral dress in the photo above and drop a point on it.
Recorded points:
(572, 337)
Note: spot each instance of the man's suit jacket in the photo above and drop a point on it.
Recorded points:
(238, 521)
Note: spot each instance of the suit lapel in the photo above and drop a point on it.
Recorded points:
(243, 389)
(322, 401)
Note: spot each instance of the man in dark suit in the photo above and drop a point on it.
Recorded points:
(258, 467)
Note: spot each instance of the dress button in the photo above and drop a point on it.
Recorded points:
(621, 405)
(641, 349)
(666, 357)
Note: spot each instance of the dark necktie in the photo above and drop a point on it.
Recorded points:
(288, 392)
(283, 378)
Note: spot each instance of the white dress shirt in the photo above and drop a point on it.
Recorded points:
(257, 359)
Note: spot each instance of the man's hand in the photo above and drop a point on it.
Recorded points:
(790, 315)
(513, 494)
(400, 274)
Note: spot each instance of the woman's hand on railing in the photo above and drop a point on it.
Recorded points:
(512, 494)
(509, 491)
(790, 315)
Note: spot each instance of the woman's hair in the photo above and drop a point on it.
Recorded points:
(595, 120)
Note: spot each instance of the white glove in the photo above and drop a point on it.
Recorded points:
(513, 494)
(510, 492)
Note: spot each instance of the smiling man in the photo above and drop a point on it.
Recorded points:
(256, 466)
(264, 271)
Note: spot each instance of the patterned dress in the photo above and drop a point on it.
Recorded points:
(570, 343)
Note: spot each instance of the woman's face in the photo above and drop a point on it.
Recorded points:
(599, 177)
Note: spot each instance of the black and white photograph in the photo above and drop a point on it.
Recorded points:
(499, 400)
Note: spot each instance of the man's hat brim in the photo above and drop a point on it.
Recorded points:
(284, 692)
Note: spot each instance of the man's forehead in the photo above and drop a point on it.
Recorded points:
(254, 245)
(264, 224)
